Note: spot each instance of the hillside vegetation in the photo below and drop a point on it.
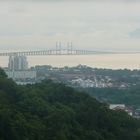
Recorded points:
(52, 111)
(129, 97)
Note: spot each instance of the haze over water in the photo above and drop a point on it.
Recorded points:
(101, 25)
(113, 61)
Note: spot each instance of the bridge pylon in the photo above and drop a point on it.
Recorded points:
(69, 48)
(58, 47)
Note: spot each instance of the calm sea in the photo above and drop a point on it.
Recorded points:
(113, 61)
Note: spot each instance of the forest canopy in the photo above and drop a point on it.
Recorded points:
(53, 111)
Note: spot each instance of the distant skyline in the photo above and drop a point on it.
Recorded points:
(90, 24)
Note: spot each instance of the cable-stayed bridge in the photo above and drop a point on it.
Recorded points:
(51, 52)
(60, 52)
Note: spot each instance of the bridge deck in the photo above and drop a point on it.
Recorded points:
(61, 52)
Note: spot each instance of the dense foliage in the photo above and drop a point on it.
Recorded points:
(2, 73)
(52, 111)
(129, 96)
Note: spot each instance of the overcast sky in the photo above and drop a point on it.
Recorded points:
(89, 24)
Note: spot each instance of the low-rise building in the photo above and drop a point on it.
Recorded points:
(21, 75)
(121, 107)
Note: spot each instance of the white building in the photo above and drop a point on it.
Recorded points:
(21, 75)
(17, 63)
(121, 107)
(116, 106)
(83, 83)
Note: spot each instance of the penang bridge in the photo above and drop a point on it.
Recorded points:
(60, 52)
(52, 52)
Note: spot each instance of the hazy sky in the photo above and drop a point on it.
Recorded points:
(89, 24)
